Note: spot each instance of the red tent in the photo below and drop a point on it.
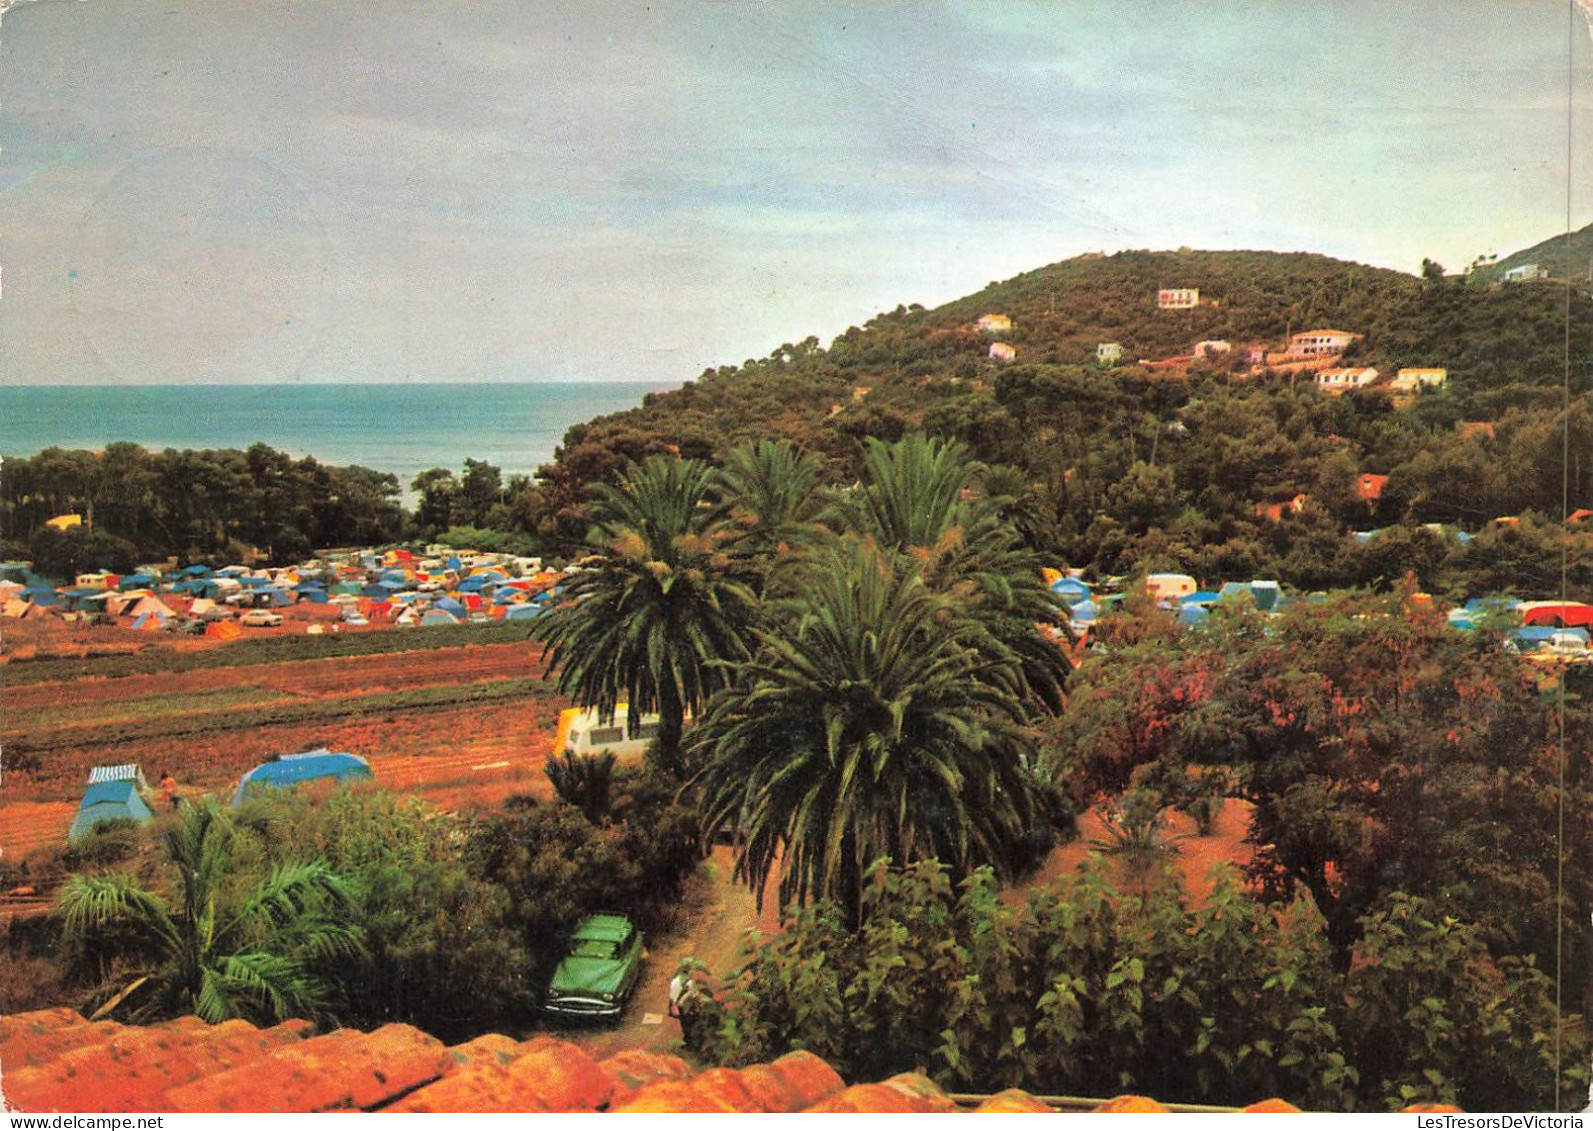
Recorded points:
(1569, 614)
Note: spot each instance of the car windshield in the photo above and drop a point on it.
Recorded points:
(593, 948)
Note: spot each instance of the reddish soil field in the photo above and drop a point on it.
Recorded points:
(1193, 856)
(453, 756)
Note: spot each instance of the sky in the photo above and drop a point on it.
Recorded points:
(377, 191)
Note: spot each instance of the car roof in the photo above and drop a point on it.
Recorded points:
(609, 927)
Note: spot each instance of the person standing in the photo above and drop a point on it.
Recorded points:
(168, 789)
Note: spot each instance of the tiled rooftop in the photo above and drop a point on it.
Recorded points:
(53, 1060)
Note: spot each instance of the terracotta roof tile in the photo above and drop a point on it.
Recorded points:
(1010, 1101)
(54, 1060)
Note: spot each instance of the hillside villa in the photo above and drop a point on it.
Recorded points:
(1108, 353)
(1001, 351)
(1409, 380)
(1526, 273)
(1314, 343)
(1336, 381)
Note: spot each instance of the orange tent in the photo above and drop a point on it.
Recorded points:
(224, 630)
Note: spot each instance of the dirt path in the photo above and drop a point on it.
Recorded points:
(720, 914)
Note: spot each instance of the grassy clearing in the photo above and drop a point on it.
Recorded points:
(163, 705)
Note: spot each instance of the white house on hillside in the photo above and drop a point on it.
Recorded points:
(1000, 351)
(1526, 273)
(1338, 380)
(1313, 343)
(1409, 380)
(1108, 352)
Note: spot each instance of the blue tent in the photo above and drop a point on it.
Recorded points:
(19, 572)
(522, 612)
(1266, 594)
(108, 801)
(75, 599)
(449, 605)
(391, 584)
(1193, 614)
(1071, 590)
(136, 581)
(313, 594)
(438, 616)
(1203, 597)
(290, 770)
(1085, 612)
(474, 584)
(254, 582)
(40, 595)
(376, 593)
(452, 563)
(272, 598)
(198, 571)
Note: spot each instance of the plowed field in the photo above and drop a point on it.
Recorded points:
(461, 727)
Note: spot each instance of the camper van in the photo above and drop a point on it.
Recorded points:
(583, 732)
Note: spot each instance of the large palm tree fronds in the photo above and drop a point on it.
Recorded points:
(768, 495)
(877, 720)
(648, 624)
(919, 496)
(221, 946)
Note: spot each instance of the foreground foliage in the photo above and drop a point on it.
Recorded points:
(1084, 991)
(218, 939)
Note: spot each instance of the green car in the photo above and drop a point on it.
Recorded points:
(600, 971)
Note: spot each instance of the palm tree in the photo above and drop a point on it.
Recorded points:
(647, 625)
(768, 494)
(877, 720)
(220, 946)
(920, 496)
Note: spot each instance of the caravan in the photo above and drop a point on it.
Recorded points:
(584, 732)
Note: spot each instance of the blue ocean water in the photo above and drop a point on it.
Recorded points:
(404, 429)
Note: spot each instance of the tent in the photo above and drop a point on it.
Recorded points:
(270, 597)
(148, 603)
(40, 595)
(136, 581)
(1570, 614)
(346, 588)
(438, 616)
(19, 609)
(197, 571)
(1071, 590)
(288, 770)
(115, 799)
(223, 630)
(76, 599)
(313, 594)
(451, 606)
(522, 612)
(154, 619)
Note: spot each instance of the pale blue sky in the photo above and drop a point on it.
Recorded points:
(376, 191)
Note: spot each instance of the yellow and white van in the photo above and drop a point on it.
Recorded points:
(583, 732)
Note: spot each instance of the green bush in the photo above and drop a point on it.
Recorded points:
(1088, 992)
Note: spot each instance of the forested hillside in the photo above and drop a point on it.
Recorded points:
(1127, 467)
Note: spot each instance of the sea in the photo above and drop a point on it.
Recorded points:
(404, 429)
